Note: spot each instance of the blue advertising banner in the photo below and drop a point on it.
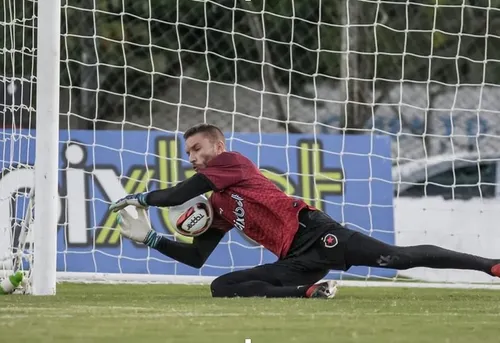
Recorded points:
(349, 177)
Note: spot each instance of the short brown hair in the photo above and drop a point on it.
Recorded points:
(210, 130)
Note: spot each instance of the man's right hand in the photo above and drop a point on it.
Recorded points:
(138, 200)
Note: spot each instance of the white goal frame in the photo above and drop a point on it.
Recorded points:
(47, 145)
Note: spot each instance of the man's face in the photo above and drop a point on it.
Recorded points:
(201, 148)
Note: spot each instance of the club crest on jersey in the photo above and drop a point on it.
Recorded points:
(330, 240)
(239, 212)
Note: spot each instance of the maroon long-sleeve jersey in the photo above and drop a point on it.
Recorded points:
(246, 200)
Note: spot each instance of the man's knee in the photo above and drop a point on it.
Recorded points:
(220, 285)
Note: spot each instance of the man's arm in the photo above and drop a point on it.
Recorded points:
(186, 190)
(193, 254)
(180, 193)
(223, 171)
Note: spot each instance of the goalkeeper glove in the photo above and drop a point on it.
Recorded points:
(137, 200)
(137, 229)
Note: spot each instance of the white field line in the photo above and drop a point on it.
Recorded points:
(41, 312)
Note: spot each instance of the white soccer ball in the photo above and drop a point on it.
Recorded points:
(193, 217)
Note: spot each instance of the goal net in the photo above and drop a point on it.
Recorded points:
(383, 114)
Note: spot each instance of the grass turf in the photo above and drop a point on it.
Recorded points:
(173, 313)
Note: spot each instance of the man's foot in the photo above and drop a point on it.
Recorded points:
(326, 289)
(495, 270)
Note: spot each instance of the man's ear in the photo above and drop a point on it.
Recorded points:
(220, 146)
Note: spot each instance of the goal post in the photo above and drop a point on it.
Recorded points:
(29, 104)
(47, 147)
(382, 114)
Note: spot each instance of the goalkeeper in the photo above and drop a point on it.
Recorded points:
(307, 242)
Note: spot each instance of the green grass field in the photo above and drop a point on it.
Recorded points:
(168, 313)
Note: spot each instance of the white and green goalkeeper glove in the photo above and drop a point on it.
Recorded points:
(138, 200)
(137, 229)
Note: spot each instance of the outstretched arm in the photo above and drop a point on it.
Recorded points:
(180, 193)
(195, 185)
(224, 171)
(194, 254)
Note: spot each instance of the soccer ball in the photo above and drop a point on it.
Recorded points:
(193, 217)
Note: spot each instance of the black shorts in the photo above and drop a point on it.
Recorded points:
(319, 246)
(320, 242)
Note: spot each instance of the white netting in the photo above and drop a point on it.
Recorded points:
(17, 73)
(415, 82)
